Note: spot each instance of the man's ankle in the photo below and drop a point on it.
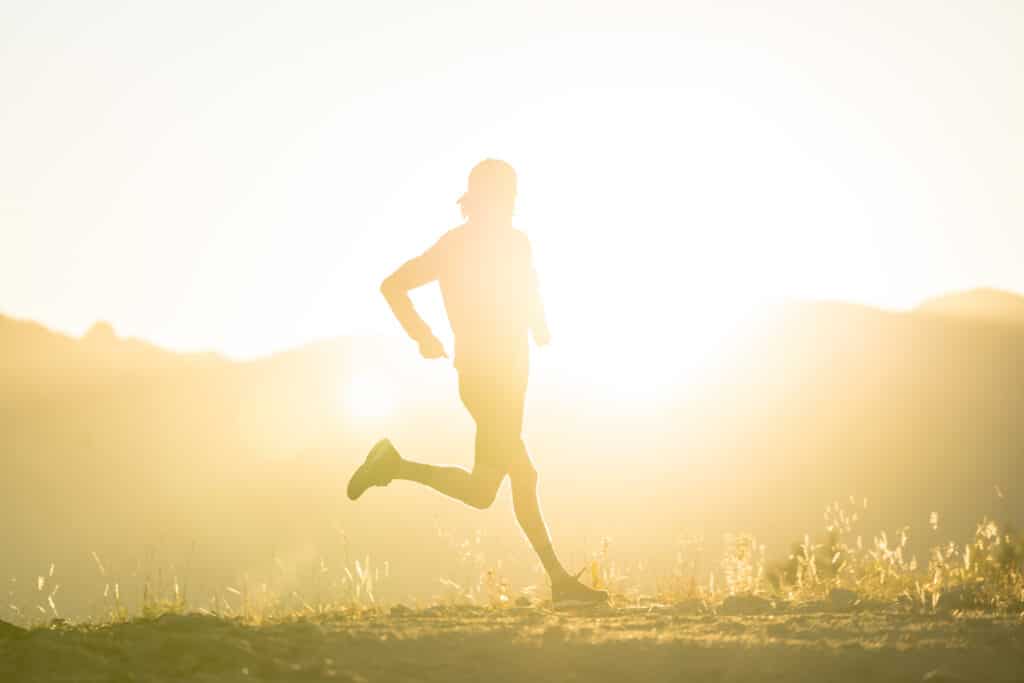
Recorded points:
(559, 575)
(414, 471)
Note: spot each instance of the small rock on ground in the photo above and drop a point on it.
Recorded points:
(746, 605)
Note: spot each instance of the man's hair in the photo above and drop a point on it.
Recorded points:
(491, 191)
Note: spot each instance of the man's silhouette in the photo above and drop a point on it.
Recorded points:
(487, 279)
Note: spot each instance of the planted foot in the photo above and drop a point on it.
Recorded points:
(379, 468)
(570, 592)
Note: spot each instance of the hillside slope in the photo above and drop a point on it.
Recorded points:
(125, 450)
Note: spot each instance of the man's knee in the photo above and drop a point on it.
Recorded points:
(483, 492)
(481, 499)
(523, 475)
(524, 498)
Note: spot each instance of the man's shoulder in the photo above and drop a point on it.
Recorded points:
(463, 234)
(453, 236)
(522, 240)
(446, 242)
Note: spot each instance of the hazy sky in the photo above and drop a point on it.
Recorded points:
(241, 175)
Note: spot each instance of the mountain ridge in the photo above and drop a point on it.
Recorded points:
(978, 304)
(982, 303)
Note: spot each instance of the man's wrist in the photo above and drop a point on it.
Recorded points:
(425, 338)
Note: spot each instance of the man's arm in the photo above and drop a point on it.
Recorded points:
(395, 288)
(538, 322)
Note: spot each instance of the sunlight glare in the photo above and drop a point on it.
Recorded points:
(368, 396)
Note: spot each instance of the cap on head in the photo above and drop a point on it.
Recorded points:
(491, 181)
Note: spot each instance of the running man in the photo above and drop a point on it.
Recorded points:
(489, 286)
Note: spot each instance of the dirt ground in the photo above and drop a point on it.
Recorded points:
(527, 644)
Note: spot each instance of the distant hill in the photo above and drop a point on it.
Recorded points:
(29, 350)
(979, 304)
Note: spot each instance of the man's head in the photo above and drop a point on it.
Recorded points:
(491, 195)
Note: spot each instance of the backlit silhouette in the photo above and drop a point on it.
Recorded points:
(485, 270)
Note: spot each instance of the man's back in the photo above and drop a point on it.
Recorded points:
(490, 293)
(486, 274)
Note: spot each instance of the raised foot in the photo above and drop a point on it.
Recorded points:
(379, 468)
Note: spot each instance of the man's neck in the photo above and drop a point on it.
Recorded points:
(490, 224)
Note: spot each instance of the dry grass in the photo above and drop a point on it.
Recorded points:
(984, 572)
(840, 570)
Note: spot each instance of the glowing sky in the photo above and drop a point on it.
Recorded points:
(240, 176)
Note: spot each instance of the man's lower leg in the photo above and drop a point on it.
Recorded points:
(565, 588)
(476, 489)
(451, 481)
(531, 520)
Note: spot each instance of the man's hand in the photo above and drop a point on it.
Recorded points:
(542, 337)
(431, 347)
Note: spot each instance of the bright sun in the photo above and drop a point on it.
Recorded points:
(368, 395)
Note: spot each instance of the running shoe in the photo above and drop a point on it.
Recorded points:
(570, 592)
(379, 469)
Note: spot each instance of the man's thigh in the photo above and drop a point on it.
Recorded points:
(497, 409)
(496, 403)
(487, 475)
